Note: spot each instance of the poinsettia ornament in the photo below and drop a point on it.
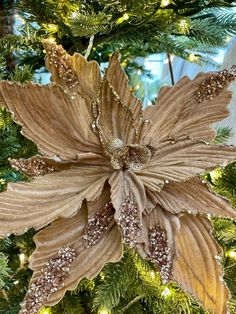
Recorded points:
(111, 173)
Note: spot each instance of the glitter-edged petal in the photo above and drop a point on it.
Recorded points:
(113, 118)
(58, 124)
(128, 198)
(178, 113)
(157, 240)
(89, 261)
(45, 198)
(197, 268)
(183, 160)
(116, 76)
(72, 72)
(193, 196)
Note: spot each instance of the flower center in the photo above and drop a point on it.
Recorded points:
(132, 156)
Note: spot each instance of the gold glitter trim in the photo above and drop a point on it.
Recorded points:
(129, 222)
(32, 167)
(53, 276)
(58, 57)
(159, 252)
(213, 85)
(98, 224)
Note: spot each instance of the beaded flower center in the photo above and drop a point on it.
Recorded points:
(132, 156)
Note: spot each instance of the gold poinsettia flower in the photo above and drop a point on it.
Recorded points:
(111, 174)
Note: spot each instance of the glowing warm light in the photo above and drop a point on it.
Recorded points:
(232, 254)
(102, 276)
(166, 292)
(192, 58)
(45, 311)
(216, 174)
(104, 311)
(125, 17)
(137, 87)
(164, 3)
(184, 25)
(152, 274)
(51, 40)
(74, 15)
(23, 259)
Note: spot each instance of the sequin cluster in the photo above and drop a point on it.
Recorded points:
(213, 85)
(60, 60)
(129, 222)
(32, 167)
(159, 253)
(53, 276)
(98, 224)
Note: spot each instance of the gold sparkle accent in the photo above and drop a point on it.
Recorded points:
(132, 156)
(98, 224)
(129, 222)
(58, 57)
(52, 278)
(213, 85)
(32, 167)
(159, 252)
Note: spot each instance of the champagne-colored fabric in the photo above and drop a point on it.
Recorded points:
(58, 124)
(196, 268)
(183, 160)
(178, 114)
(193, 196)
(69, 233)
(116, 76)
(86, 73)
(126, 185)
(45, 198)
(95, 126)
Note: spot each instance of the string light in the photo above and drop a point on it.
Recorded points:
(103, 311)
(51, 40)
(184, 25)
(125, 17)
(45, 311)
(166, 292)
(165, 3)
(152, 274)
(231, 254)
(193, 58)
(216, 174)
(23, 259)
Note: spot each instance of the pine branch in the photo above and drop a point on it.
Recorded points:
(222, 135)
(88, 24)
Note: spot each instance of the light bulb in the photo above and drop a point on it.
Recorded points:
(166, 292)
(165, 3)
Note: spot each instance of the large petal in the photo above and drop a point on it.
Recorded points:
(116, 76)
(115, 119)
(59, 124)
(183, 160)
(45, 198)
(166, 221)
(128, 198)
(196, 268)
(178, 113)
(73, 73)
(193, 253)
(193, 196)
(89, 261)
